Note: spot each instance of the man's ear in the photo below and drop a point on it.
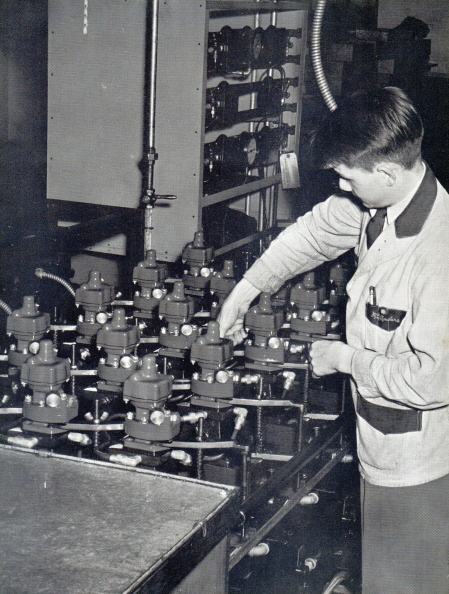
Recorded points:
(388, 171)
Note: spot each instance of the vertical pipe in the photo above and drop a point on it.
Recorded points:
(152, 81)
(148, 192)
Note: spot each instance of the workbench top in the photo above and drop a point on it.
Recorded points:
(70, 525)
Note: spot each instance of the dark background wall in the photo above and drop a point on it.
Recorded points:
(23, 113)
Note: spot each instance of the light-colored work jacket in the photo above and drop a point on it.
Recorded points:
(397, 319)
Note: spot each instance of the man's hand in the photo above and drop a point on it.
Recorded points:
(233, 310)
(330, 356)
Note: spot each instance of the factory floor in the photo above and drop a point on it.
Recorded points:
(324, 537)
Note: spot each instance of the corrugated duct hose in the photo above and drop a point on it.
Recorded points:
(5, 307)
(315, 52)
(42, 274)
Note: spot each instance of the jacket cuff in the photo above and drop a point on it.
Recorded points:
(264, 279)
(361, 373)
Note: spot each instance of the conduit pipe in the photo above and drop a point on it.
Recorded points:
(5, 307)
(315, 52)
(335, 581)
(42, 274)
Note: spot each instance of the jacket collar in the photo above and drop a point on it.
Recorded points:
(411, 220)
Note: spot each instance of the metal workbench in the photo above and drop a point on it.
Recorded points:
(70, 525)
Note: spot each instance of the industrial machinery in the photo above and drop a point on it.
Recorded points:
(146, 380)
(190, 403)
(150, 276)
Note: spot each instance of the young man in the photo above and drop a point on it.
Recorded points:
(397, 350)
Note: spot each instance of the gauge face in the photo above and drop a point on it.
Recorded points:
(257, 45)
(251, 151)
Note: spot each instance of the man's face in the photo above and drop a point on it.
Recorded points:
(370, 187)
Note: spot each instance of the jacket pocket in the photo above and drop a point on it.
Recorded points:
(380, 326)
(389, 420)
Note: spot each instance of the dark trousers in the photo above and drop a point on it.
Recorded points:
(405, 538)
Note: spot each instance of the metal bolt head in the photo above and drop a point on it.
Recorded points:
(156, 417)
(53, 399)
(222, 376)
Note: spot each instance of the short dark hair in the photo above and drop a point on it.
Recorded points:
(368, 128)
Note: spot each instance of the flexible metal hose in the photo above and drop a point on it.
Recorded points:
(335, 581)
(42, 274)
(5, 307)
(315, 52)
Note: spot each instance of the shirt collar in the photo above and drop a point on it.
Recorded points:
(410, 221)
(395, 210)
(410, 214)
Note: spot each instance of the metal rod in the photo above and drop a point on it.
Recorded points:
(200, 456)
(245, 474)
(148, 196)
(152, 81)
(259, 418)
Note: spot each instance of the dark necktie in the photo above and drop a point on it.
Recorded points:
(375, 226)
